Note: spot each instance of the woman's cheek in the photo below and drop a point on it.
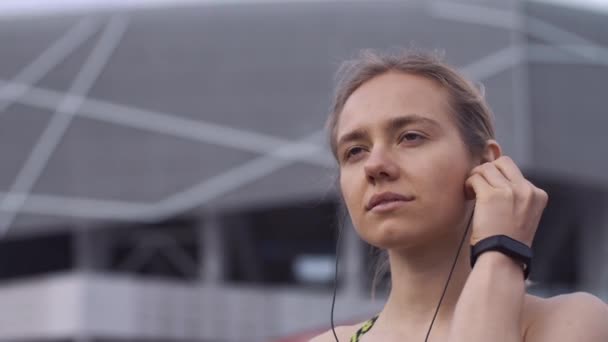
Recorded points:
(450, 187)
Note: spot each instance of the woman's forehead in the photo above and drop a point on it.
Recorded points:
(393, 95)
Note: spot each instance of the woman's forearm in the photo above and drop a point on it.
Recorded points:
(490, 305)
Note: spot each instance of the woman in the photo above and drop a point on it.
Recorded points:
(419, 169)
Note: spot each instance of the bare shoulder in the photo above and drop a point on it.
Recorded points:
(344, 333)
(577, 316)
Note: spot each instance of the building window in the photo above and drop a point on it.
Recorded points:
(292, 244)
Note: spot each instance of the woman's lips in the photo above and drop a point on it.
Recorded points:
(387, 201)
(388, 206)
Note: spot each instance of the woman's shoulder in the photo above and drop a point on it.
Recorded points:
(539, 307)
(579, 316)
(344, 333)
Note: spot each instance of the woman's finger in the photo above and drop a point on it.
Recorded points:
(509, 169)
(492, 175)
(476, 185)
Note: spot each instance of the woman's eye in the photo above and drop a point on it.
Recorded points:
(353, 151)
(411, 136)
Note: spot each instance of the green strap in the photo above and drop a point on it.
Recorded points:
(367, 326)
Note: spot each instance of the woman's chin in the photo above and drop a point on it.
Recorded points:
(387, 235)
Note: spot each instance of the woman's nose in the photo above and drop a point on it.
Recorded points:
(380, 166)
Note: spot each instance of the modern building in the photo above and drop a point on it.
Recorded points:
(165, 173)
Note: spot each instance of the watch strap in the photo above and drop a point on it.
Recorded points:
(516, 250)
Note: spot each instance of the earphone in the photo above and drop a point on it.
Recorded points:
(333, 301)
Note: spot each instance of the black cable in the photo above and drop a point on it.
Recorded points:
(428, 333)
(333, 299)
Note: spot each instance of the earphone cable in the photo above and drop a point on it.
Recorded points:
(333, 298)
(428, 333)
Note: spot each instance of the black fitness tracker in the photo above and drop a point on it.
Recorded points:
(518, 251)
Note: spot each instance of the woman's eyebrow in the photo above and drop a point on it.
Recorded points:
(393, 124)
(399, 122)
(357, 134)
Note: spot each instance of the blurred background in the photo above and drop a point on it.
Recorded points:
(165, 174)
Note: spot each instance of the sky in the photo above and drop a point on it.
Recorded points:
(9, 8)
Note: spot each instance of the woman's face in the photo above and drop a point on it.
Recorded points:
(403, 163)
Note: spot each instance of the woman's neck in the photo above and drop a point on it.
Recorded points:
(418, 277)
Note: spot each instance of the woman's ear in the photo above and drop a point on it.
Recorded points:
(491, 151)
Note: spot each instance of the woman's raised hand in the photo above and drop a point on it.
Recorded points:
(506, 202)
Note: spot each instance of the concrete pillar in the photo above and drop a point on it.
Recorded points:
(91, 249)
(212, 255)
(352, 262)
